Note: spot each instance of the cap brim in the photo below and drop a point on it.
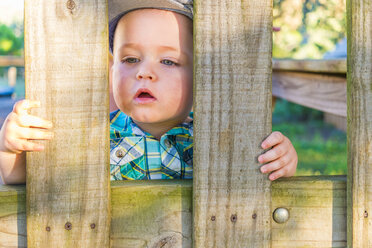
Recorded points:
(116, 7)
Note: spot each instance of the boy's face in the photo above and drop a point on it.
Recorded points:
(153, 63)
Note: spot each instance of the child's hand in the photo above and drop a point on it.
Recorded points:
(281, 160)
(20, 127)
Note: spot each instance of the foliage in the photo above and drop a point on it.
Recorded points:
(11, 39)
(321, 148)
(309, 28)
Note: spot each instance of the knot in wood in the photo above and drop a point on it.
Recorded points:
(365, 214)
(254, 216)
(68, 226)
(71, 5)
(213, 218)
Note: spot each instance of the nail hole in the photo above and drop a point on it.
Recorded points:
(234, 218)
(47, 228)
(68, 226)
(365, 214)
(213, 218)
(254, 216)
(92, 225)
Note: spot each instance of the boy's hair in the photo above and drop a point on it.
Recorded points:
(118, 8)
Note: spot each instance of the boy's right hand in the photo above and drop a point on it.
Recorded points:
(20, 127)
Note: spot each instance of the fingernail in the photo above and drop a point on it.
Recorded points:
(260, 159)
(263, 170)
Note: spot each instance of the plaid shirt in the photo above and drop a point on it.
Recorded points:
(136, 155)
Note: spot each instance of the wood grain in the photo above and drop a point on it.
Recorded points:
(317, 209)
(66, 70)
(323, 92)
(333, 66)
(159, 213)
(359, 123)
(151, 214)
(232, 67)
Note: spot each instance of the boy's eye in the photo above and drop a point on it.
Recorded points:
(168, 62)
(130, 60)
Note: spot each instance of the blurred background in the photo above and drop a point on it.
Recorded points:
(309, 29)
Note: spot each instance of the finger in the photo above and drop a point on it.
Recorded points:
(277, 174)
(275, 165)
(273, 139)
(272, 154)
(22, 107)
(34, 134)
(28, 146)
(34, 121)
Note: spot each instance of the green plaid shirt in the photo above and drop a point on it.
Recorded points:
(137, 155)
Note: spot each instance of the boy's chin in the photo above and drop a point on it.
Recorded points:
(156, 119)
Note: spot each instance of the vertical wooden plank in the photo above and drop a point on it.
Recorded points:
(66, 69)
(232, 65)
(359, 123)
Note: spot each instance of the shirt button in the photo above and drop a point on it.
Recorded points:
(119, 153)
(167, 143)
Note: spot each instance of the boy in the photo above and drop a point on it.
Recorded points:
(151, 133)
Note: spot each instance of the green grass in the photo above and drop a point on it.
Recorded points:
(321, 148)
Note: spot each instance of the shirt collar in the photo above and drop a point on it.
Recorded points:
(125, 125)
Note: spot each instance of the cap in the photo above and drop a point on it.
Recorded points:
(118, 8)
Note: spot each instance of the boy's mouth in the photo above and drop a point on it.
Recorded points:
(144, 95)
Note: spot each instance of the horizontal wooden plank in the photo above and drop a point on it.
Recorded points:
(337, 121)
(11, 61)
(334, 66)
(317, 208)
(326, 93)
(159, 213)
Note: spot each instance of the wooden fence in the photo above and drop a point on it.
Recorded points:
(68, 199)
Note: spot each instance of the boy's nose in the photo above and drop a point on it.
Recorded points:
(145, 73)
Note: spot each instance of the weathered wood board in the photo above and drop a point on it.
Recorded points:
(66, 70)
(317, 209)
(359, 133)
(333, 66)
(232, 82)
(159, 213)
(11, 61)
(324, 92)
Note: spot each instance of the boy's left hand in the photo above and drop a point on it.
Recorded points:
(281, 160)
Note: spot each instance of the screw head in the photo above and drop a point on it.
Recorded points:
(70, 5)
(119, 153)
(281, 215)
